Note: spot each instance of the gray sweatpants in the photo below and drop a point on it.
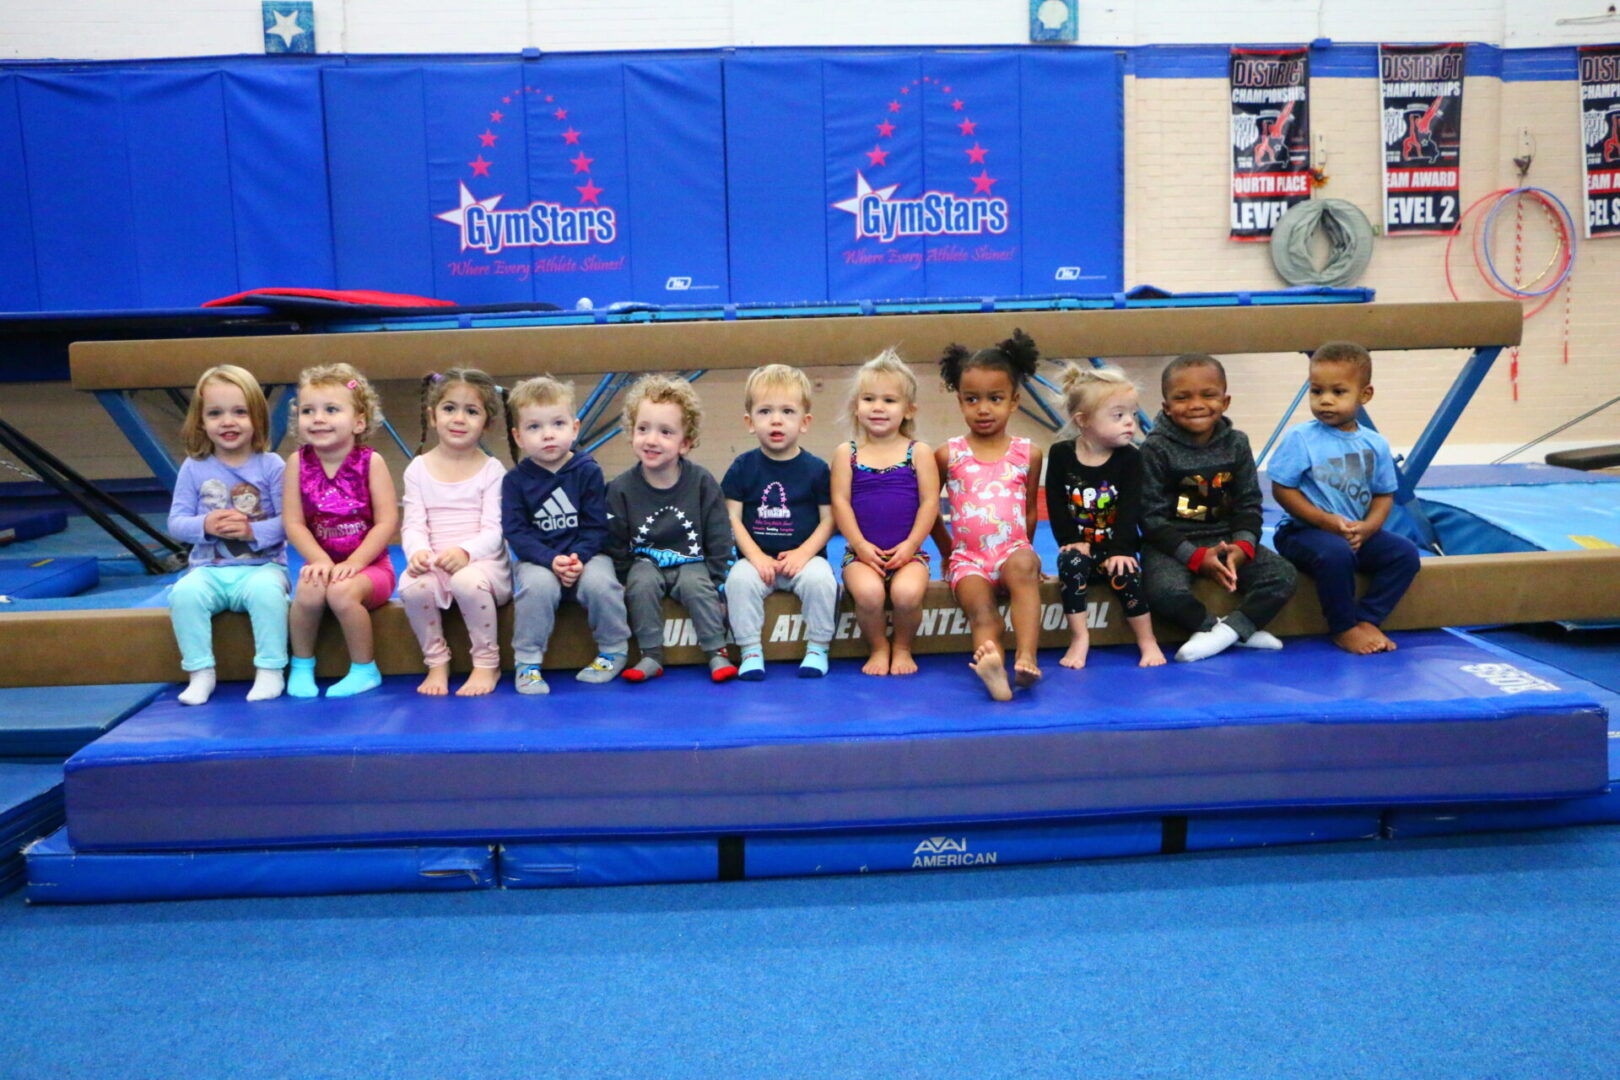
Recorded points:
(645, 587)
(815, 586)
(1264, 585)
(534, 611)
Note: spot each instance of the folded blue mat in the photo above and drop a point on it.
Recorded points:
(55, 721)
(45, 576)
(1440, 720)
(57, 874)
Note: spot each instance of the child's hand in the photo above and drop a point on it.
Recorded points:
(1119, 565)
(345, 570)
(420, 562)
(452, 559)
(1357, 532)
(572, 569)
(1214, 568)
(228, 525)
(765, 566)
(789, 563)
(1234, 558)
(316, 573)
(868, 553)
(1082, 547)
(899, 555)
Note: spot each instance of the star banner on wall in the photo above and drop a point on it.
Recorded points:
(289, 26)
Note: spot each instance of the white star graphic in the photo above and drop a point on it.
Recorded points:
(458, 216)
(690, 535)
(286, 27)
(862, 190)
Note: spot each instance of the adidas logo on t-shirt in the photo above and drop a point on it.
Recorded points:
(558, 513)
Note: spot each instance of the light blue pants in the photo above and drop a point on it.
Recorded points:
(260, 590)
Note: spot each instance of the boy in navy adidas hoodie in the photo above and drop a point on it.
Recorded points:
(554, 513)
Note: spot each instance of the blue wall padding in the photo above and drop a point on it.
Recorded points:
(179, 184)
(277, 159)
(540, 865)
(376, 142)
(55, 721)
(19, 285)
(42, 577)
(1235, 732)
(928, 849)
(74, 139)
(57, 874)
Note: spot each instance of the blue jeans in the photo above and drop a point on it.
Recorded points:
(1389, 559)
(260, 590)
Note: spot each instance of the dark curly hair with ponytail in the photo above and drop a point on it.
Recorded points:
(1017, 356)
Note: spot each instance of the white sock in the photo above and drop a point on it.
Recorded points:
(1208, 643)
(1261, 639)
(200, 689)
(268, 683)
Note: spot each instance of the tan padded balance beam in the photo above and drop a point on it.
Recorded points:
(805, 341)
(62, 648)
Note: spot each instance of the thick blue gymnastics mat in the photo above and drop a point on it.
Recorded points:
(57, 874)
(29, 579)
(29, 525)
(54, 721)
(1441, 720)
(30, 807)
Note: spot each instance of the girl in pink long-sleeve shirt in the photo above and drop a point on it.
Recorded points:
(452, 529)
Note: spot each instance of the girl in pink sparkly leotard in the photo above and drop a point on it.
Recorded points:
(340, 512)
(991, 480)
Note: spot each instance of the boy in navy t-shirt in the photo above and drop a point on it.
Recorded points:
(1335, 479)
(780, 501)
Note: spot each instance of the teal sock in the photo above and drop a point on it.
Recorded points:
(814, 665)
(752, 668)
(361, 677)
(301, 679)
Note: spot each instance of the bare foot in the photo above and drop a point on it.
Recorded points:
(1079, 649)
(482, 681)
(1387, 642)
(1360, 640)
(878, 662)
(991, 668)
(1026, 672)
(1151, 656)
(901, 663)
(437, 683)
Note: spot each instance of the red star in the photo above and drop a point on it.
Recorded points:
(506, 101)
(981, 183)
(905, 89)
(480, 167)
(571, 137)
(548, 98)
(589, 192)
(487, 138)
(561, 114)
(966, 127)
(894, 106)
(582, 164)
(944, 89)
(976, 155)
(878, 156)
(885, 129)
(957, 105)
(496, 117)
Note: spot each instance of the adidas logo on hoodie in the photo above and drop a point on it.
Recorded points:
(557, 513)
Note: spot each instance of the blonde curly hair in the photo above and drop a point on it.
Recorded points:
(367, 403)
(661, 390)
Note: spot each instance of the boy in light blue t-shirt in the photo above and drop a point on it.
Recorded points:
(1335, 480)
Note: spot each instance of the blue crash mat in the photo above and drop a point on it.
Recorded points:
(48, 576)
(27, 790)
(1439, 720)
(57, 874)
(1549, 517)
(29, 525)
(54, 721)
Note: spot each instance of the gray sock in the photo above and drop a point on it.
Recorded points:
(605, 668)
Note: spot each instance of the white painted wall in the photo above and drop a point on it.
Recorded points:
(117, 29)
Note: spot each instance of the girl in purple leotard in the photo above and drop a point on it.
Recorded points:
(340, 512)
(885, 496)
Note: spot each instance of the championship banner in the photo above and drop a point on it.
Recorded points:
(1271, 137)
(1600, 130)
(1421, 91)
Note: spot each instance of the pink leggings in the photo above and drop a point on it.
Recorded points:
(477, 593)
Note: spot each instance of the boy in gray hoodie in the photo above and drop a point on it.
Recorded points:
(1201, 516)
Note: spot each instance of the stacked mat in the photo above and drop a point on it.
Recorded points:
(30, 807)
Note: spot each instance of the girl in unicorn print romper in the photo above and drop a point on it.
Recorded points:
(990, 480)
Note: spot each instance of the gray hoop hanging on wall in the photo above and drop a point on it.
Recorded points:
(1349, 235)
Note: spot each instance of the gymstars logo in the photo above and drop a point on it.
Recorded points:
(1509, 679)
(543, 223)
(938, 851)
(882, 217)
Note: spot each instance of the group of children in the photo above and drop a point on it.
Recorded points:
(1144, 521)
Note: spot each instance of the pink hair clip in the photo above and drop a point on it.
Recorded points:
(353, 384)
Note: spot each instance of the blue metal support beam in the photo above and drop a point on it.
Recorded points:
(1444, 419)
(120, 405)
